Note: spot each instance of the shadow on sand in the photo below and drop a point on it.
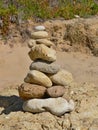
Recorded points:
(10, 104)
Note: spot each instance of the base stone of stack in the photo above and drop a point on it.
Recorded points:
(45, 67)
(42, 52)
(37, 77)
(30, 91)
(55, 91)
(57, 106)
(63, 77)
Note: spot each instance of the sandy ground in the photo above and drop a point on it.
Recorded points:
(14, 65)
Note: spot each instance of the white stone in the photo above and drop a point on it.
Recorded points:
(40, 28)
(57, 106)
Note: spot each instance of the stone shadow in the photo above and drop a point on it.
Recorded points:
(10, 104)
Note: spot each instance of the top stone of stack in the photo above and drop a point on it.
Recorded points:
(40, 28)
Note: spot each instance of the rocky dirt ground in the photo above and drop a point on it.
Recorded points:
(14, 63)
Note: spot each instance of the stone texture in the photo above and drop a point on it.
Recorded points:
(55, 91)
(63, 77)
(94, 125)
(46, 67)
(42, 52)
(57, 106)
(37, 77)
(29, 91)
(39, 35)
(45, 42)
(40, 28)
(31, 43)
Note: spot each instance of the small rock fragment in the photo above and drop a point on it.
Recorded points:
(57, 106)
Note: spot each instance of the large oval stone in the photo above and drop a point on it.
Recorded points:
(57, 106)
(45, 42)
(55, 91)
(30, 91)
(39, 35)
(37, 77)
(63, 77)
(42, 52)
(44, 66)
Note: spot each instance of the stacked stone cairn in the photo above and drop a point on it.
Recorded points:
(45, 83)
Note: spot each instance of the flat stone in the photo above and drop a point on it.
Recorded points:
(40, 28)
(39, 35)
(57, 106)
(42, 52)
(31, 43)
(30, 91)
(63, 77)
(37, 77)
(45, 42)
(55, 91)
(44, 66)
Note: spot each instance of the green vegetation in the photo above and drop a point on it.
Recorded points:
(43, 9)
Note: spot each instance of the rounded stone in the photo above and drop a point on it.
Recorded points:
(62, 77)
(30, 91)
(57, 106)
(55, 91)
(40, 28)
(45, 42)
(42, 52)
(45, 67)
(39, 35)
(37, 77)
(31, 43)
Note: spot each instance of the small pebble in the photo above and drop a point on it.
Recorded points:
(40, 28)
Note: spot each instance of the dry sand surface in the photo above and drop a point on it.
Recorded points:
(14, 65)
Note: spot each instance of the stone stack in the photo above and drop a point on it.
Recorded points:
(45, 83)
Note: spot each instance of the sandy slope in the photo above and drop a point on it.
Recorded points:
(14, 65)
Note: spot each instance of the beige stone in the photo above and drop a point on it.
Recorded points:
(45, 42)
(30, 91)
(37, 77)
(31, 43)
(63, 77)
(42, 52)
(39, 34)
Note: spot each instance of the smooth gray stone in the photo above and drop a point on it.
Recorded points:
(57, 106)
(46, 67)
